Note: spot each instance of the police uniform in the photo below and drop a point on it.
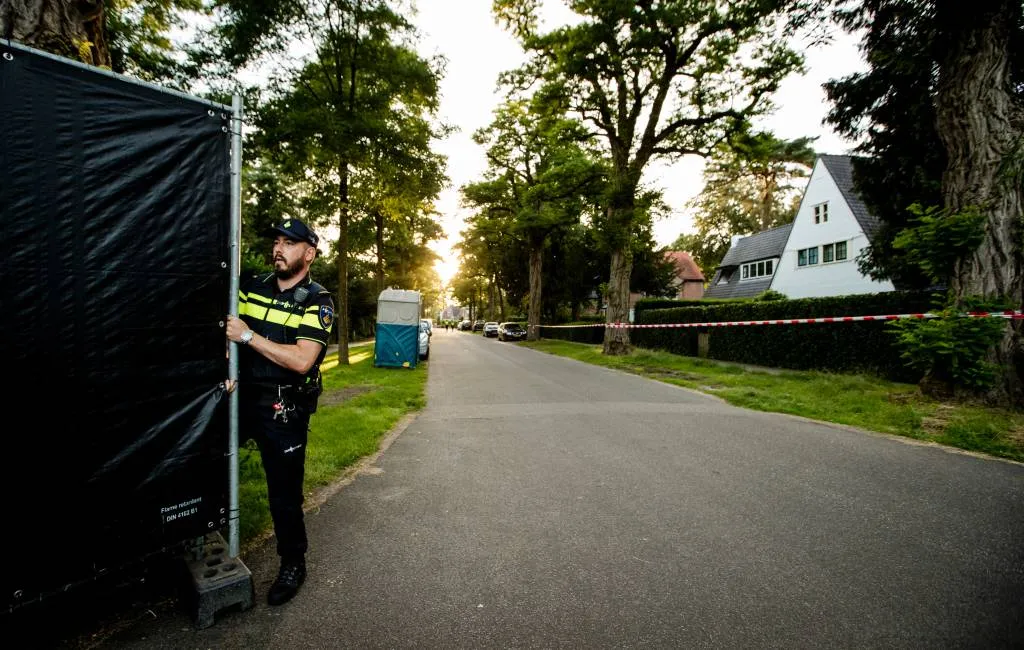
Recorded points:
(275, 403)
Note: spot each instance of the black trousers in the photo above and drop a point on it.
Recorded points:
(283, 452)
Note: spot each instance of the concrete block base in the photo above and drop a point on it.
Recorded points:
(220, 581)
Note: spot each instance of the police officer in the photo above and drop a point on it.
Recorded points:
(284, 322)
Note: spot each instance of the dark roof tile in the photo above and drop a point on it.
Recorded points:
(761, 246)
(841, 170)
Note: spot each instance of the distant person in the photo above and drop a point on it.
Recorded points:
(284, 323)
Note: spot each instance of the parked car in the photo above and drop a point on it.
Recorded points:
(511, 332)
(465, 326)
(430, 326)
(490, 329)
(478, 325)
(424, 339)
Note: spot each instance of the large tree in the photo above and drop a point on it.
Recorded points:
(654, 79)
(939, 113)
(980, 116)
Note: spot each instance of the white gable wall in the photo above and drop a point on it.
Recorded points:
(837, 278)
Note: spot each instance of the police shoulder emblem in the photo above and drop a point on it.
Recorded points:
(326, 316)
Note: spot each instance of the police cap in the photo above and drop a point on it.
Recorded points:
(294, 229)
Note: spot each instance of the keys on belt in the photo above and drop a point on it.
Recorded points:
(282, 407)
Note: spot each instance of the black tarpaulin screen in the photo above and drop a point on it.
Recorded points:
(115, 215)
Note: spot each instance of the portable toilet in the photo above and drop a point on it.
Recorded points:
(398, 329)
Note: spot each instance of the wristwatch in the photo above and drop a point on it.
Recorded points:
(246, 337)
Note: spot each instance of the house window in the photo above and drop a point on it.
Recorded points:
(807, 256)
(758, 269)
(840, 250)
(833, 252)
(821, 213)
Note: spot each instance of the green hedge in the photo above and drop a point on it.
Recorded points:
(592, 335)
(650, 304)
(853, 346)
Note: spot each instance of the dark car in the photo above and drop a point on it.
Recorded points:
(478, 326)
(511, 332)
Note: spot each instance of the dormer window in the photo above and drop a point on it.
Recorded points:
(758, 269)
(821, 213)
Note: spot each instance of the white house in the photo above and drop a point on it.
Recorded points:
(814, 256)
(831, 228)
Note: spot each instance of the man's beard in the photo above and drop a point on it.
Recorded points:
(289, 271)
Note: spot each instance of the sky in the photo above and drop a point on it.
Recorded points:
(477, 50)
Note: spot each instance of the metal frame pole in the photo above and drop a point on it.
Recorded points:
(235, 235)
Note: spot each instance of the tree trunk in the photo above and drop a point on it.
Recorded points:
(343, 217)
(979, 126)
(621, 212)
(378, 220)
(75, 29)
(533, 315)
(490, 297)
(616, 339)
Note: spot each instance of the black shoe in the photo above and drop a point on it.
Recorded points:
(289, 579)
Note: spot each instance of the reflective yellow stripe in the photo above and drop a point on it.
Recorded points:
(276, 316)
(249, 309)
(285, 318)
(312, 320)
(258, 298)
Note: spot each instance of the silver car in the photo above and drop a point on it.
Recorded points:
(424, 339)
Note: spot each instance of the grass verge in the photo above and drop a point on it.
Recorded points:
(359, 405)
(862, 401)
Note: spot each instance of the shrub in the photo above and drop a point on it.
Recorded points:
(769, 294)
(952, 349)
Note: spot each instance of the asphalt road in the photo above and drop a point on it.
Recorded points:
(542, 503)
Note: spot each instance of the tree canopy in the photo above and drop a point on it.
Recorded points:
(652, 79)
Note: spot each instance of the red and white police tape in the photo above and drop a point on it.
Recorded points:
(1014, 314)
